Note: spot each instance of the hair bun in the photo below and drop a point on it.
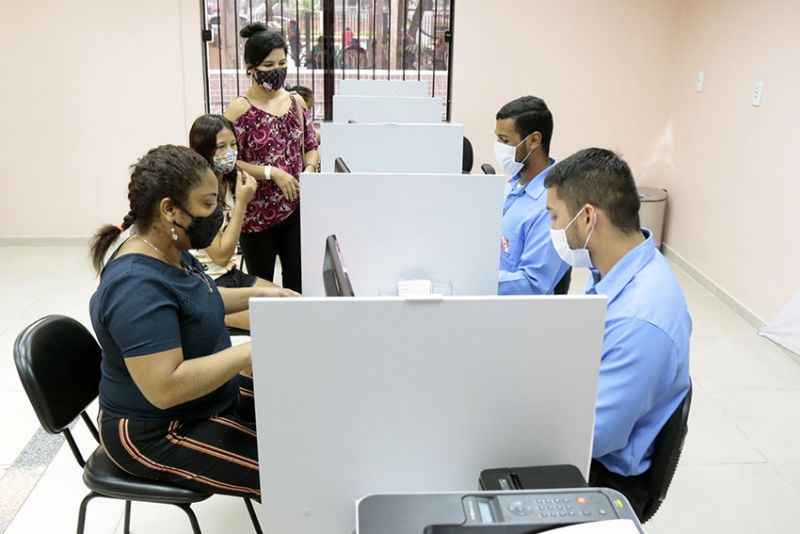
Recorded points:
(252, 29)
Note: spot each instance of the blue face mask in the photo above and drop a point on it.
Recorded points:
(225, 163)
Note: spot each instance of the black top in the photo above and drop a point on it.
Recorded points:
(144, 306)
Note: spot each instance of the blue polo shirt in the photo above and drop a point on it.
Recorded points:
(644, 370)
(529, 265)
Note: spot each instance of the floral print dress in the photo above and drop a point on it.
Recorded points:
(278, 141)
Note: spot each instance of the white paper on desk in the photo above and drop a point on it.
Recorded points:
(414, 288)
(612, 526)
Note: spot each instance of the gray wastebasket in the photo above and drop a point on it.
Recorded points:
(651, 213)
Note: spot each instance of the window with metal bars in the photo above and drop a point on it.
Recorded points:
(331, 40)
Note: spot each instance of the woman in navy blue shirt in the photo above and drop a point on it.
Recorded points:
(173, 405)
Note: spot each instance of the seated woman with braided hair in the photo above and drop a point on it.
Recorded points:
(173, 405)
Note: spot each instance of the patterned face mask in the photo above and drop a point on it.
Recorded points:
(225, 163)
(271, 79)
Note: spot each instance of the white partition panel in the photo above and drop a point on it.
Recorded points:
(384, 88)
(381, 109)
(360, 396)
(404, 226)
(430, 148)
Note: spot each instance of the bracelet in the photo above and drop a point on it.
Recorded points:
(267, 171)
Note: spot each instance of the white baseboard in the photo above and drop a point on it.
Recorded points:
(737, 307)
(740, 309)
(44, 241)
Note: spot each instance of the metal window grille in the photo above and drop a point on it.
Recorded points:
(331, 40)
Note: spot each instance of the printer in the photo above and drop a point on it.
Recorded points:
(489, 512)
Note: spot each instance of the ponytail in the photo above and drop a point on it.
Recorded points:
(166, 171)
(104, 238)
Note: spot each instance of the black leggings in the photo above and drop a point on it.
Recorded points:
(217, 454)
(259, 250)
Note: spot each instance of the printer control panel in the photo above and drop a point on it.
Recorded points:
(542, 506)
(489, 512)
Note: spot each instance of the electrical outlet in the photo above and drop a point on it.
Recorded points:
(698, 82)
(758, 93)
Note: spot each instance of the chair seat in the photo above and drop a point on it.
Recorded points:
(102, 476)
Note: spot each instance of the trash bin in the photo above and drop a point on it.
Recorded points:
(651, 213)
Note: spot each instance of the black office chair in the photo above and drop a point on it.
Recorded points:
(666, 453)
(467, 157)
(487, 169)
(562, 287)
(58, 362)
(645, 492)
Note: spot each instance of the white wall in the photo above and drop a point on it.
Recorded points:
(88, 87)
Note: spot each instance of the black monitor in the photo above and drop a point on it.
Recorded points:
(334, 275)
(340, 166)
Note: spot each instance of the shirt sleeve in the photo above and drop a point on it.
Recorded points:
(142, 317)
(539, 264)
(310, 134)
(636, 357)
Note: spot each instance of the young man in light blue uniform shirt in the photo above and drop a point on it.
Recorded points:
(529, 264)
(644, 367)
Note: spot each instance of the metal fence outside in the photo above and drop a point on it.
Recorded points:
(330, 40)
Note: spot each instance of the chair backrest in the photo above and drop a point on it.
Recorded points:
(562, 287)
(666, 453)
(58, 362)
(487, 169)
(467, 157)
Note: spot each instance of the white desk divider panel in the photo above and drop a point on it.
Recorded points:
(444, 228)
(384, 88)
(384, 395)
(382, 109)
(431, 148)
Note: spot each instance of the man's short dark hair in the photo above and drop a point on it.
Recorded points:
(530, 115)
(599, 177)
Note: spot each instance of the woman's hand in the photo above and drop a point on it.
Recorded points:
(276, 291)
(245, 187)
(287, 183)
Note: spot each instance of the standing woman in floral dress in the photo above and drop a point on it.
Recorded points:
(277, 142)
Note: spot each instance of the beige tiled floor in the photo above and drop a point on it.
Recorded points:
(740, 472)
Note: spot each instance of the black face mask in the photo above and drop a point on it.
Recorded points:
(202, 231)
(273, 79)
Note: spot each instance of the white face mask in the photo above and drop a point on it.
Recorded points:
(506, 156)
(576, 258)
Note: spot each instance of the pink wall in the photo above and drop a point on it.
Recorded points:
(621, 74)
(734, 186)
(87, 88)
(604, 69)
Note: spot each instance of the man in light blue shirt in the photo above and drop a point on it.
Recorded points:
(529, 264)
(644, 368)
